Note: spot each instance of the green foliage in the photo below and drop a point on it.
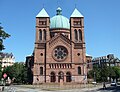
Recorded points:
(112, 73)
(10, 71)
(116, 70)
(102, 73)
(18, 72)
(3, 36)
(95, 73)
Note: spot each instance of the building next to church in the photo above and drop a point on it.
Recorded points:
(59, 53)
(108, 60)
(7, 59)
(89, 62)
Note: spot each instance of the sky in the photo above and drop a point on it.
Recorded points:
(101, 22)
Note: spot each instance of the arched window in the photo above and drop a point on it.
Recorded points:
(79, 70)
(76, 35)
(44, 34)
(53, 77)
(40, 34)
(41, 70)
(80, 35)
(60, 76)
(68, 77)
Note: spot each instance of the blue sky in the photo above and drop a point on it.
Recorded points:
(101, 20)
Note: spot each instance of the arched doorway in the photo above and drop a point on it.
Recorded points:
(53, 77)
(68, 77)
(60, 76)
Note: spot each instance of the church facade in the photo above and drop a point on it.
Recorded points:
(59, 53)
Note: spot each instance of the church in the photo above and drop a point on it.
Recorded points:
(60, 52)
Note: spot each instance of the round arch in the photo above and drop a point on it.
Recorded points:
(68, 77)
(76, 35)
(60, 76)
(80, 35)
(40, 34)
(44, 34)
(52, 77)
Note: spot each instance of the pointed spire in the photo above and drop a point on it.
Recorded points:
(42, 13)
(76, 13)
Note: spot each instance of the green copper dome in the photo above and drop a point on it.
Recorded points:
(59, 21)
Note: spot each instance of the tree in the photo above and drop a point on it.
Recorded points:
(10, 71)
(3, 36)
(112, 73)
(104, 73)
(116, 69)
(18, 72)
(99, 74)
(95, 74)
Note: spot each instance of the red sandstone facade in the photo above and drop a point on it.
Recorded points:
(59, 53)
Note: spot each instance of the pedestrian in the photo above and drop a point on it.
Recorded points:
(104, 86)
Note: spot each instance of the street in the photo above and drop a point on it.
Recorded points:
(17, 88)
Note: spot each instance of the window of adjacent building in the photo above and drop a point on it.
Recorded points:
(76, 35)
(80, 35)
(79, 70)
(41, 70)
(40, 34)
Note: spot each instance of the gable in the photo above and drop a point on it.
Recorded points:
(59, 39)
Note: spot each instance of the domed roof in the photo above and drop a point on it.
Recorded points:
(59, 21)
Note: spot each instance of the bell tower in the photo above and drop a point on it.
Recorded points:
(42, 26)
(77, 37)
(42, 36)
(77, 27)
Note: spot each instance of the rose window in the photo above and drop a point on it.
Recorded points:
(60, 53)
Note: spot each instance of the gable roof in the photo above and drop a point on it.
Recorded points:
(60, 36)
(42, 13)
(76, 13)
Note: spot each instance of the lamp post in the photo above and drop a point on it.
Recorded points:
(94, 79)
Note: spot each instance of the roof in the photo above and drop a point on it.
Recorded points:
(59, 21)
(76, 13)
(6, 55)
(42, 13)
(88, 55)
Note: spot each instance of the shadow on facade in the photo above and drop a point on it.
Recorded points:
(29, 65)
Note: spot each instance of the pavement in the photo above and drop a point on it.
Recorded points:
(98, 88)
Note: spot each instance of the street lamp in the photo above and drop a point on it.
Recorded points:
(94, 79)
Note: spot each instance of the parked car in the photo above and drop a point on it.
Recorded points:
(94, 82)
(113, 83)
(118, 83)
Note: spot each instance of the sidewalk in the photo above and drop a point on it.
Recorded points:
(30, 88)
(87, 89)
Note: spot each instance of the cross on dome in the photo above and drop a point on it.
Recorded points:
(59, 11)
